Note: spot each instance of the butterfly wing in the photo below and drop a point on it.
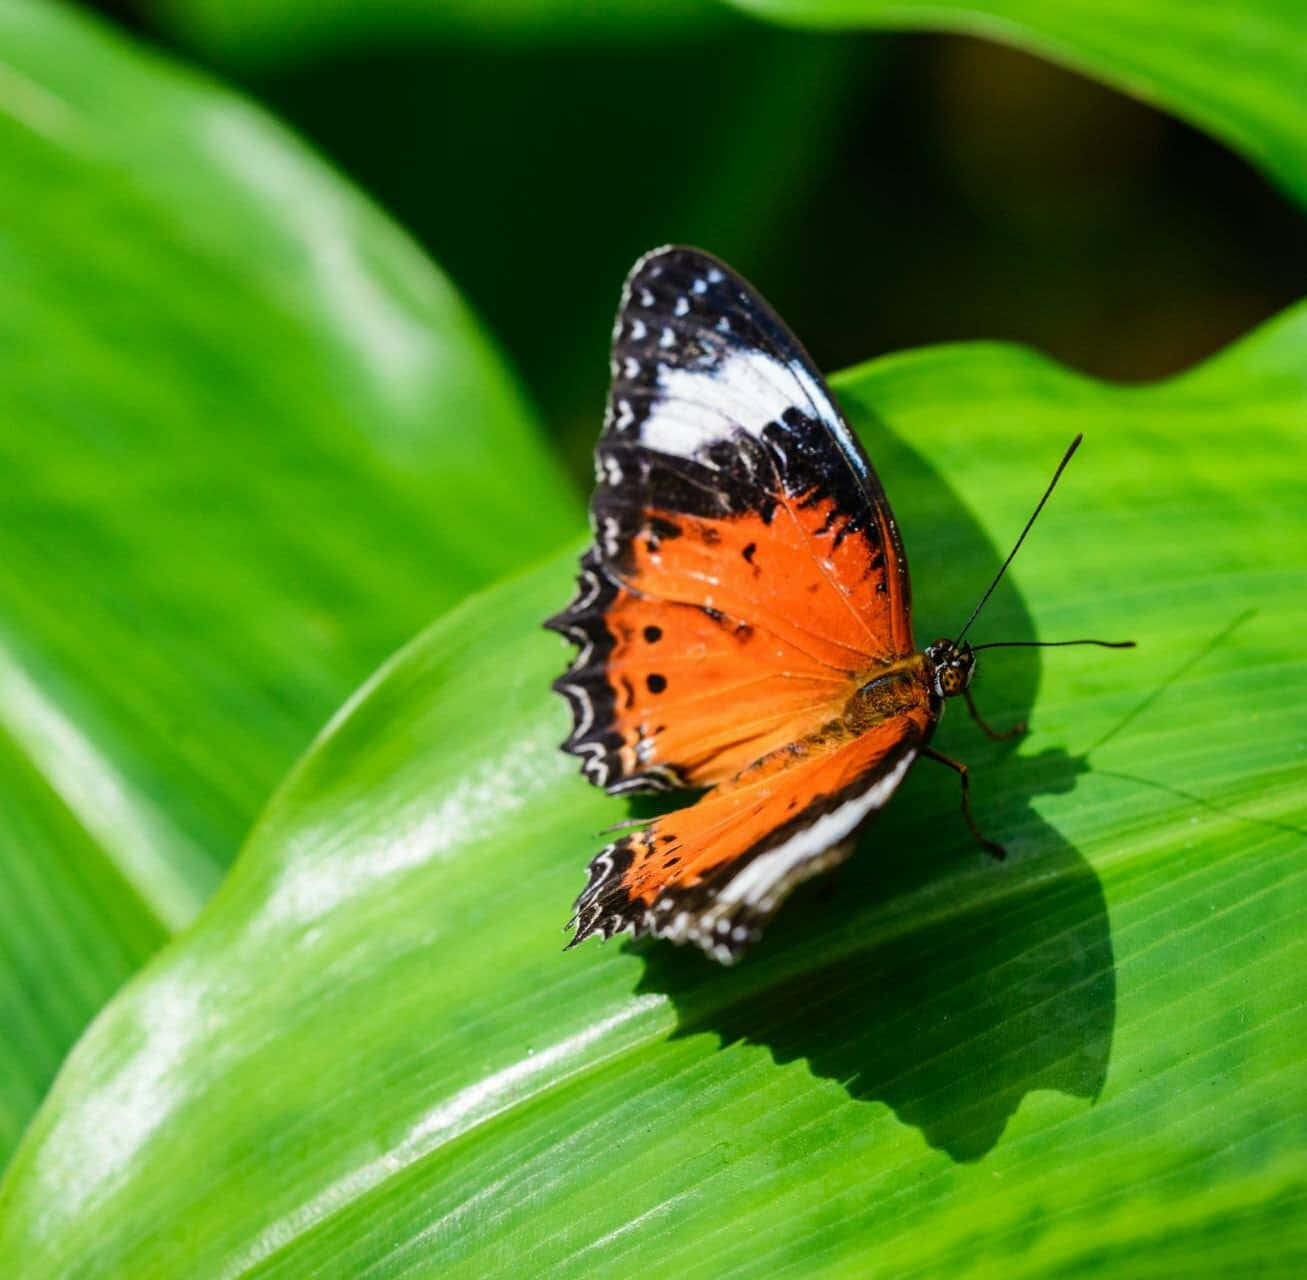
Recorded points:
(746, 565)
(714, 873)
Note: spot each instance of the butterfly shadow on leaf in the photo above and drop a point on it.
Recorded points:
(924, 975)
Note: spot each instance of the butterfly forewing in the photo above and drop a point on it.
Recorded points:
(736, 519)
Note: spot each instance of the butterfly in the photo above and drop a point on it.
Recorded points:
(743, 618)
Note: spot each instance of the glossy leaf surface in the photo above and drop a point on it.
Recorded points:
(250, 441)
(370, 1056)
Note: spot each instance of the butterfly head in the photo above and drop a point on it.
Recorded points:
(950, 667)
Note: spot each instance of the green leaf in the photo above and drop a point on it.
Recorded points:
(1234, 68)
(250, 442)
(370, 1056)
(71, 929)
(266, 31)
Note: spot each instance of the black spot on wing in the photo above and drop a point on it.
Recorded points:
(662, 529)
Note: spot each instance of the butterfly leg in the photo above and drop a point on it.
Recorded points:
(997, 734)
(990, 846)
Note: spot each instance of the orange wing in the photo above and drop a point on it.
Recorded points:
(714, 873)
(747, 572)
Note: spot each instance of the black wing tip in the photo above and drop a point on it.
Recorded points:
(674, 249)
(686, 258)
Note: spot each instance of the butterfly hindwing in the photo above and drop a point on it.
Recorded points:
(746, 565)
(714, 873)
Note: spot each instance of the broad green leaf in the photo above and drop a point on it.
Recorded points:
(1235, 68)
(370, 1057)
(250, 441)
(266, 31)
(72, 927)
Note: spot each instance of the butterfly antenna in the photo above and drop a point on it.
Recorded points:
(1051, 644)
(1057, 475)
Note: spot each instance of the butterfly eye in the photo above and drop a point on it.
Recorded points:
(950, 680)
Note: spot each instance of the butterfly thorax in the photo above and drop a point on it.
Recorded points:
(904, 687)
(911, 686)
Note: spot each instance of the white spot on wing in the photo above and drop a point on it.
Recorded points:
(697, 407)
(744, 391)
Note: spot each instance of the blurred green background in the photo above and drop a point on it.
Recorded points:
(537, 149)
(286, 861)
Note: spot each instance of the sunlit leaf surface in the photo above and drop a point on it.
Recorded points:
(370, 1056)
(250, 442)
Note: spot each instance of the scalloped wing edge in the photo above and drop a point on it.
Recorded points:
(594, 740)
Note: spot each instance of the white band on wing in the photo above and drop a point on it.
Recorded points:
(760, 880)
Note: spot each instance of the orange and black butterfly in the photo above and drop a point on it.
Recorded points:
(743, 618)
